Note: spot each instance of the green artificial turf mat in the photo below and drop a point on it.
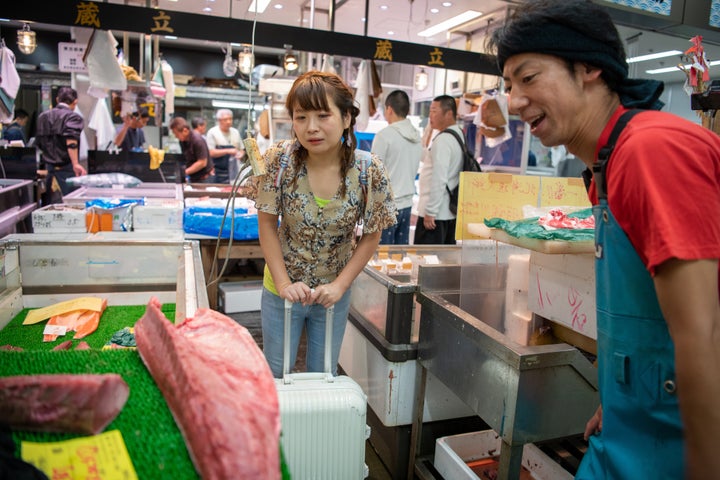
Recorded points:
(155, 445)
(113, 319)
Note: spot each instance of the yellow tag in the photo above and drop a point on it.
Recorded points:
(81, 303)
(101, 456)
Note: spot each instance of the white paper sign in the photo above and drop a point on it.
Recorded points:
(70, 56)
(55, 330)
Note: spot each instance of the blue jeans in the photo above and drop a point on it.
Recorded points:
(312, 319)
(398, 234)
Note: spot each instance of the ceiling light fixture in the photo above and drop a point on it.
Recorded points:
(450, 23)
(421, 80)
(27, 43)
(246, 60)
(653, 56)
(258, 6)
(290, 61)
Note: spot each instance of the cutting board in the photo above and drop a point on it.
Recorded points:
(534, 244)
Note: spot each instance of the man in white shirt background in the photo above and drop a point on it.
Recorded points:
(399, 147)
(225, 145)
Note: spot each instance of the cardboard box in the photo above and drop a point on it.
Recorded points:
(235, 297)
(168, 216)
(59, 218)
(453, 453)
(562, 289)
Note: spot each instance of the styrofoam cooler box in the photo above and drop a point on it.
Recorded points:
(235, 297)
(454, 453)
(562, 289)
(167, 215)
(59, 218)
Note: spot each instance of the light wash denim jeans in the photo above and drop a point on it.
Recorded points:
(311, 318)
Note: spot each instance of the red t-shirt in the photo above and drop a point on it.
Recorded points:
(663, 184)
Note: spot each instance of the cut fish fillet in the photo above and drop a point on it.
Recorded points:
(219, 388)
(63, 402)
(82, 322)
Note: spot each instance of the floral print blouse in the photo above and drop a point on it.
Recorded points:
(317, 242)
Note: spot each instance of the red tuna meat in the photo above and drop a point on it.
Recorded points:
(62, 403)
(219, 388)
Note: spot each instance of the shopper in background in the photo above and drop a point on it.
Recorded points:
(198, 164)
(130, 136)
(399, 147)
(313, 186)
(15, 130)
(226, 147)
(199, 125)
(440, 168)
(657, 214)
(58, 137)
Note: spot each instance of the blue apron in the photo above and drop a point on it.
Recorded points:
(222, 165)
(642, 432)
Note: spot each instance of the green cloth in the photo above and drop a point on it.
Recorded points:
(530, 228)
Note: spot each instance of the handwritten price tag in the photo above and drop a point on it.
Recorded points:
(102, 457)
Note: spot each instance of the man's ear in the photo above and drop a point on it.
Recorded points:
(588, 72)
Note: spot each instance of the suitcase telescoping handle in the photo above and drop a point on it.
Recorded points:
(328, 341)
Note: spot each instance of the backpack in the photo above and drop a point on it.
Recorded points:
(469, 164)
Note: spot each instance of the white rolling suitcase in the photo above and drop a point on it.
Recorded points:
(322, 417)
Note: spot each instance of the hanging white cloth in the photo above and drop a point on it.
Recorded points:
(9, 84)
(363, 90)
(101, 122)
(328, 64)
(169, 84)
(102, 64)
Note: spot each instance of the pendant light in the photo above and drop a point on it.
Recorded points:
(290, 62)
(246, 62)
(26, 40)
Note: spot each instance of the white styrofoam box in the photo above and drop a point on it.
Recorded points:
(59, 218)
(234, 297)
(452, 453)
(165, 216)
(562, 289)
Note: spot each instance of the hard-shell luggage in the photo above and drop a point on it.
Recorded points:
(322, 417)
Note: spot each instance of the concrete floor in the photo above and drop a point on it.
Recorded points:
(251, 321)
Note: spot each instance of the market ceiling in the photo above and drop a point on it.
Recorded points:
(107, 16)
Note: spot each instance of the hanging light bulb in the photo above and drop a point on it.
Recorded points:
(229, 64)
(26, 40)
(290, 62)
(421, 80)
(245, 60)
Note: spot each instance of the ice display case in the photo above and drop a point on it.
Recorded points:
(17, 201)
(39, 270)
(152, 192)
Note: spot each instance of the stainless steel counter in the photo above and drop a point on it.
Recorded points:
(525, 393)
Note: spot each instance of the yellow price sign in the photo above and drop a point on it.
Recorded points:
(103, 457)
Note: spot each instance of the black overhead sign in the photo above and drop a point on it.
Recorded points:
(107, 16)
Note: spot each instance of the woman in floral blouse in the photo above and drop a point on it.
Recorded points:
(320, 189)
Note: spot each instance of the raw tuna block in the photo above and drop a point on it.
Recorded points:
(219, 388)
(63, 402)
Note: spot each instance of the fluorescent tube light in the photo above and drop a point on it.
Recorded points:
(676, 69)
(450, 23)
(653, 56)
(235, 105)
(261, 5)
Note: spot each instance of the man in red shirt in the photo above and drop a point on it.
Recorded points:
(656, 199)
